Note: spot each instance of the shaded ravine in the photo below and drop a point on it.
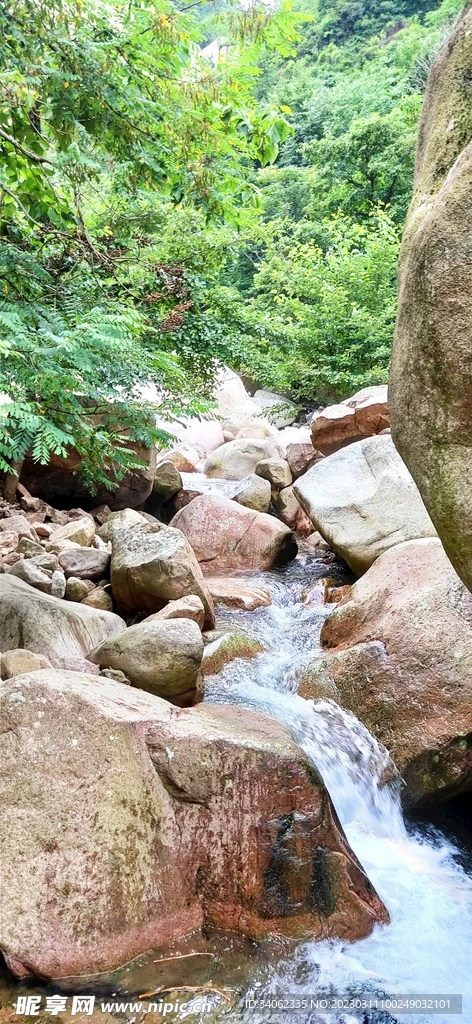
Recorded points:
(417, 871)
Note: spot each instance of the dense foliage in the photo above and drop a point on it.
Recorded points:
(144, 236)
(109, 121)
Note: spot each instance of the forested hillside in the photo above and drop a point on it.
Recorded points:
(161, 214)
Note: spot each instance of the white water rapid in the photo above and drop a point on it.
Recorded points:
(420, 874)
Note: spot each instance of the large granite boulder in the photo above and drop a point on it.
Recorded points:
(58, 483)
(163, 658)
(431, 375)
(225, 535)
(151, 565)
(363, 501)
(127, 823)
(237, 459)
(362, 415)
(60, 630)
(400, 658)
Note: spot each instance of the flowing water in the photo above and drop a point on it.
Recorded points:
(424, 877)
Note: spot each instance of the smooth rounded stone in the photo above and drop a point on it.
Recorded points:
(167, 481)
(77, 589)
(225, 535)
(235, 407)
(153, 565)
(98, 598)
(234, 593)
(363, 501)
(228, 436)
(161, 657)
(85, 563)
(40, 579)
(362, 415)
(276, 471)
(147, 853)
(17, 662)
(100, 544)
(184, 497)
(58, 584)
(185, 457)
(80, 531)
(9, 540)
(190, 607)
(281, 411)
(399, 656)
(116, 675)
(291, 512)
(20, 525)
(255, 432)
(46, 625)
(315, 540)
(239, 458)
(301, 457)
(431, 373)
(254, 492)
(223, 650)
(126, 517)
(29, 548)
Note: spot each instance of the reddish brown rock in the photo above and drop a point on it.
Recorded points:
(292, 514)
(300, 457)
(58, 484)
(400, 658)
(127, 823)
(225, 535)
(363, 415)
(234, 593)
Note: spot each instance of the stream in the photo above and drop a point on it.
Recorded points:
(422, 871)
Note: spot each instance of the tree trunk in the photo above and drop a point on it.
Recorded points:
(11, 481)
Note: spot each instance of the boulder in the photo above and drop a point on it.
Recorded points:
(431, 374)
(58, 584)
(363, 501)
(20, 525)
(254, 492)
(234, 593)
(153, 565)
(127, 823)
(29, 548)
(255, 431)
(9, 540)
(77, 589)
(237, 459)
(363, 415)
(276, 471)
(79, 531)
(190, 607)
(98, 598)
(59, 484)
(35, 577)
(167, 481)
(161, 657)
(207, 434)
(16, 663)
(400, 658)
(281, 411)
(235, 407)
(225, 535)
(292, 514)
(301, 457)
(46, 625)
(224, 649)
(85, 563)
(184, 457)
(126, 517)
